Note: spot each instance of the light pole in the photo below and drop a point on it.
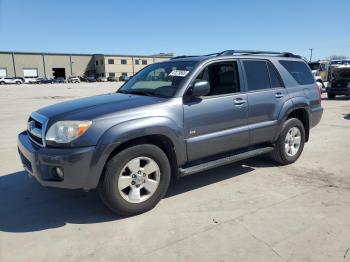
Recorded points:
(311, 49)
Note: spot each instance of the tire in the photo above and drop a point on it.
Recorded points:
(330, 96)
(280, 154)
(18, 82)
(2, 83)
(119, 201)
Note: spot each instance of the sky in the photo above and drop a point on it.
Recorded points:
(178, 26)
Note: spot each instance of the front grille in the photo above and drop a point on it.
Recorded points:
(36, 129)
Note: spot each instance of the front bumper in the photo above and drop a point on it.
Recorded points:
(339, 91)
(76, 163)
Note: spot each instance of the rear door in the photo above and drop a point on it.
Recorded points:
(266, 96)
(217, 123)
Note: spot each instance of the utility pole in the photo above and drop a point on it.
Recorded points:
(311, 49)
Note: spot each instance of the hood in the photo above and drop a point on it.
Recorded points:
(96, 106)
(341, 73)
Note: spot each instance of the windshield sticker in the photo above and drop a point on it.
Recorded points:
(181, 73)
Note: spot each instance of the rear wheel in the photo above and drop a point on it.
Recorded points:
(18, 82)
(290, 143)
(135, 179)
(330, 96)
(2, 83)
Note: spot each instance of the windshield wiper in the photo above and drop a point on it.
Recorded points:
(137, 92)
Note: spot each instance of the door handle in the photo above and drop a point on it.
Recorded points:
(279, 95)
(239, 101)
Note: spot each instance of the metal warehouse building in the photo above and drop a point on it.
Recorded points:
(53, 65)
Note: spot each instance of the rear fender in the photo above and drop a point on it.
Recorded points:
(288, 107)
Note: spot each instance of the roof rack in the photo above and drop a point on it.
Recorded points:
(257, 52)
(245, 52)
(183, 56)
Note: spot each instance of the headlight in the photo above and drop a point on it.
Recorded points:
(67, 131)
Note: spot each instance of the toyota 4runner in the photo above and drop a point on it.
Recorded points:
(174, 118)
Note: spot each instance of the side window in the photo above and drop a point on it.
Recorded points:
(274, 76)
(299, 71)
(257, 74)
(222, 77)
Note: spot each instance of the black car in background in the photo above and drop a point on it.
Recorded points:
(90, 79)
(59, 80)
(340, 82)
(45, 80)
(124, 78)
(112, 79)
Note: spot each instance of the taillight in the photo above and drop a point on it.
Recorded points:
(319, 94)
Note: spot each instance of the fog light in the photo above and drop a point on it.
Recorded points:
(59, 172)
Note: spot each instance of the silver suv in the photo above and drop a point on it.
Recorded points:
(174, 118)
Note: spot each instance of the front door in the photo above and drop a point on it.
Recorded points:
(217, 123)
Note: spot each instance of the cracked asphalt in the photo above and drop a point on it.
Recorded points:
(253, 210)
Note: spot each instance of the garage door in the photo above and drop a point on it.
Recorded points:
(3, 72)
(30, 72)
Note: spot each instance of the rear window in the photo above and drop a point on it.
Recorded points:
(299, 70)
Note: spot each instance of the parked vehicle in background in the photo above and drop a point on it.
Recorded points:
(112, 79)
(124, 78)
(90, 79)
(46, 80)
(31, 80)
(319, 70)
(101, 79)
(74, 79)
(198, 113)
(342, 62)
(21, 78)
(10, 80)
(59, 80)
(340, 81)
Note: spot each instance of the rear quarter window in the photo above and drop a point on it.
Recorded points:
(299, 71)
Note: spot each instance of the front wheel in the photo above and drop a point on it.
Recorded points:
(18, 82)
(2, 83)
(135, 179)
(330, 96)
(290, 143)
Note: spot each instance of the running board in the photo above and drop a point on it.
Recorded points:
(223, 161)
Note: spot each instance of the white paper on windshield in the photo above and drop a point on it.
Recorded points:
(181, 73)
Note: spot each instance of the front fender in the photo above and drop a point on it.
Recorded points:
(141, 127)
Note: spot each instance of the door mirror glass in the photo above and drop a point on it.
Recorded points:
(200, 88)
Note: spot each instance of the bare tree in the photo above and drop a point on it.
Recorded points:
(336, 57)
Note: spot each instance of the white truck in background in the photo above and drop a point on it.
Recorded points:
(320, 70)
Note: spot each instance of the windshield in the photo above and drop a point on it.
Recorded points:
(162, 79)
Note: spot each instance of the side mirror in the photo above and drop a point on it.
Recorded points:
(200, 88)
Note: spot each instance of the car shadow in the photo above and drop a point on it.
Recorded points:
(25, 206)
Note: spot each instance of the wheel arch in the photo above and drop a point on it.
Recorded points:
(303, 115)
(296, 108)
